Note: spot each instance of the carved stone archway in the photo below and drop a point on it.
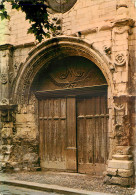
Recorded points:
(52, 49)
(49, 51)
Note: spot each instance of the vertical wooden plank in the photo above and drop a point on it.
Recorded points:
(41, 127)
(80, 140)
(63, 138)
(54, 129)
(89, 140)
(71, 121)
(46, 138)
(63, 127)
(71, 134)
(56, 139)
(80, 107)
(85, 132)
(53, 137)
(56, 107)
(45, 124)
(50, 105)
(106, 128)
(63, 107)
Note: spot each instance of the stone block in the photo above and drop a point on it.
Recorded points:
(21, 118)
(17, 169)
(122, 157)
(120, 164)
(125, 173)
(119, 172)
(124, 150)
(30, 157)
(121, 181)
(6, 132)
(111, 171)
(1, 157)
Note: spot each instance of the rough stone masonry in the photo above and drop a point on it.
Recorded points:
(104, 33)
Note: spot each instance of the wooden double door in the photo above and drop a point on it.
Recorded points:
(73, 133)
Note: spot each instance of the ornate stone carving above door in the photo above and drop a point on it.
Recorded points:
(70, 72)
(72, 76)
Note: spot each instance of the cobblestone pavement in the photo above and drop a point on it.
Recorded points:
(71, 180)
(11, 190)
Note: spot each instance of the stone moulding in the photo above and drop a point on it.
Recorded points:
(6, 47)
(44, 53)
(123, 22)
(109, 25)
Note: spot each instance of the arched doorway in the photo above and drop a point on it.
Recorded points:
(73, 115)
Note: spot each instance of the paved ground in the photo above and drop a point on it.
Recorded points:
(76, 181)
(11, 190)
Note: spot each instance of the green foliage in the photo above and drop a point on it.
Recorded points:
(36, 13)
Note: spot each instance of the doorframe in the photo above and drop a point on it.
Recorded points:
(73, 93)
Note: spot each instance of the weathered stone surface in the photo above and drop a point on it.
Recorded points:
(118, 164)
(119, 172)
(121, 181)
(122, 157)
(30, 157)
(6, 132)
(125, 173)
(106, 36)
(111, 171)
(123, 150)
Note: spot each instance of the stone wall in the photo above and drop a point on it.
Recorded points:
(108, 28)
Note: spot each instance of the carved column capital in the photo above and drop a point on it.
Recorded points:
(8, 113)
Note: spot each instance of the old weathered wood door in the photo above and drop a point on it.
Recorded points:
(73, 116)
(73, 131)
(52, 126)
(92, 121)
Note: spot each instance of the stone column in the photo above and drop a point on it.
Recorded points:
(7, 114)
(120, 167)
(7, 132)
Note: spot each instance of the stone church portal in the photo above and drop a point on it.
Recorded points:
(73, 116)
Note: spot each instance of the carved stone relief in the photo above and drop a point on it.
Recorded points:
(11, 77)
(71, 77)
(4, 101)
(57, 22)
(7, 116)
(105, 52)
(67, 47)
(4, 78)
(120, 59)
(8, 119)
(71, 72)
(121, 126)
(16, 66)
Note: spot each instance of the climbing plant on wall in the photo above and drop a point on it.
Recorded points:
(37, 14)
